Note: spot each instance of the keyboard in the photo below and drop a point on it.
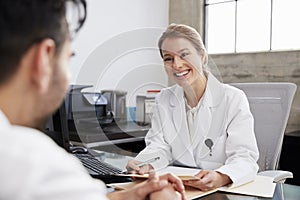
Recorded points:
(100, 169)
(96, 166)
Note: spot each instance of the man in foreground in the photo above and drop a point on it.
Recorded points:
(34, 52)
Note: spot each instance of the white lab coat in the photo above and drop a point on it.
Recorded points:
(33, 167)
(224, 117)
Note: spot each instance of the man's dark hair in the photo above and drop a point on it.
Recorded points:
(24, 23)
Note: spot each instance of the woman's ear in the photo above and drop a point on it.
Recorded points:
(203, 56)
(44, 59)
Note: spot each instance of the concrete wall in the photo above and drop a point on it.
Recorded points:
(264, 67)
(187, 12)
(246, 67)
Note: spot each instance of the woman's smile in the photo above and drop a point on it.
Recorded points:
(182, 73)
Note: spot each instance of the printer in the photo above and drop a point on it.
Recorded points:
(94, 110)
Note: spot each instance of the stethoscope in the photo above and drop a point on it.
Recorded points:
(209, 143)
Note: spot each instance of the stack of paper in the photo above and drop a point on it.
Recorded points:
(262, 186)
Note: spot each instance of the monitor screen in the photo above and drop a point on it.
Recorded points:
(57, 127)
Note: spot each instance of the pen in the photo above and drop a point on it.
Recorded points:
(148, 161)
(143, 163)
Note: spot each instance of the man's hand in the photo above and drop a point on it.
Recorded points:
(167, 192)
(166, 187)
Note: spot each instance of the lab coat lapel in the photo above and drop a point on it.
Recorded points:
(204, 119)
(179, 120)
(213, 95)
(178, 109)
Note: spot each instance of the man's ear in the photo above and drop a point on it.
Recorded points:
(42, 68)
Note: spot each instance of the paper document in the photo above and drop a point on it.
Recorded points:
(262, 186)
(182, 172)
(179, 171)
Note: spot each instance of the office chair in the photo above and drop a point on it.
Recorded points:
(270, 104)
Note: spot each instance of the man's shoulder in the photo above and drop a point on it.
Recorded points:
(19, 141)
(28, 157)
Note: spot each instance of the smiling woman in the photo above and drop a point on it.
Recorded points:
(199, 122)
(185, 60)
(183, 64)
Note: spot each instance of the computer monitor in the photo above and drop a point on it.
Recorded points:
(76, 106)
(57, 127)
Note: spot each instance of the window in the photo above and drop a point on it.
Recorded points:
(235, 26)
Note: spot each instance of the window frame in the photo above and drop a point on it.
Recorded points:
(270, 42)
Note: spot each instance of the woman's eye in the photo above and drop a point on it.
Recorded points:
(167, 59)
(184, 55)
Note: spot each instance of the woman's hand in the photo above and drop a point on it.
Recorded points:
(208, 180)
(132, 167)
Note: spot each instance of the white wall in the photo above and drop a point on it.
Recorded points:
(117, 47)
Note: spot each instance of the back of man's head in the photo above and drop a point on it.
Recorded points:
(24, 23)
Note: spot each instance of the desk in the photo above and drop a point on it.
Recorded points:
(282, 191)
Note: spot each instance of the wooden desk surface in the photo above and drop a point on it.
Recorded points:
(282, 191)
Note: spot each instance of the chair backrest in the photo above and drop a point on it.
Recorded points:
(270, 104)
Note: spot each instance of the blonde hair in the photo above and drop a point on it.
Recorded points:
(186, 32)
